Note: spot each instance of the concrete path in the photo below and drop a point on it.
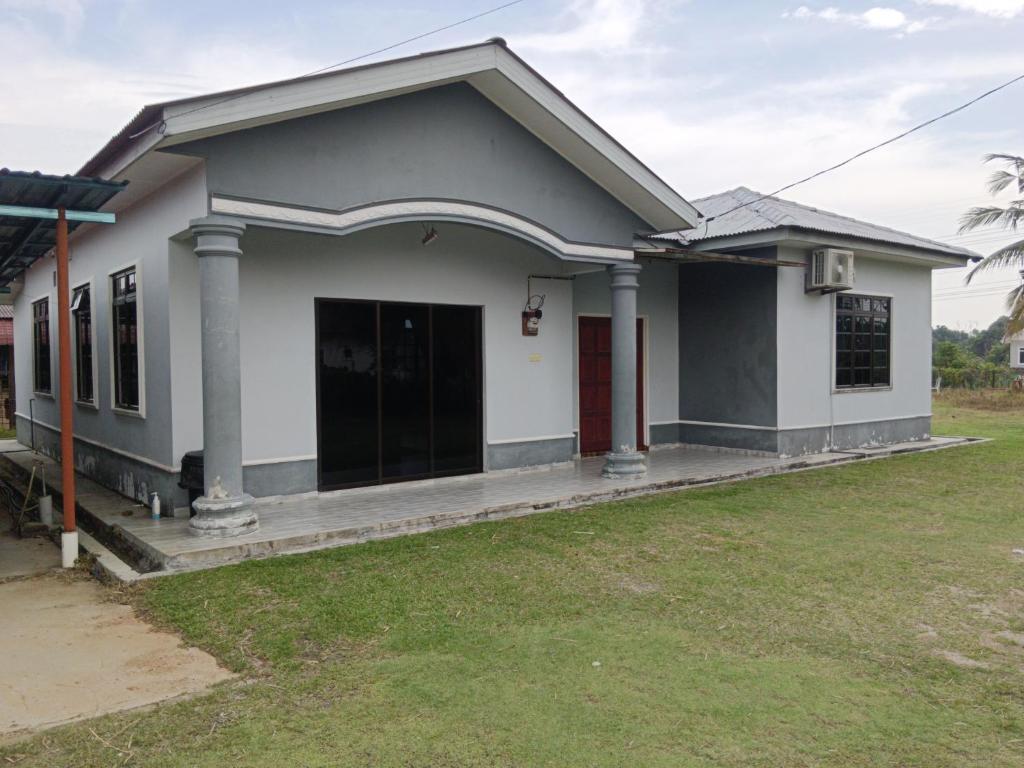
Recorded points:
(24, 557)
(68, 654)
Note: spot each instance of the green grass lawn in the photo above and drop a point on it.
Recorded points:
(863, 615)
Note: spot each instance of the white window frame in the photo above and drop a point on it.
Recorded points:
(1020, 355)
(139, 319)
(49, 298)
(95, 404)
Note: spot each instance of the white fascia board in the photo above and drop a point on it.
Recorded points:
(284, 101)
(591, 140)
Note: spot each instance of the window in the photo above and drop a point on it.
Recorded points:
(81, 313)
(1020, 355)
(863, 334)
(124, 309)
(41, 344)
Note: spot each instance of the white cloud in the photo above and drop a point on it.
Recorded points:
(593, 25)
(999, 9)
(70, 12)
(878, 18)
(53, 122)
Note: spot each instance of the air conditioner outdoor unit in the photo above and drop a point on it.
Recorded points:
(829, 270)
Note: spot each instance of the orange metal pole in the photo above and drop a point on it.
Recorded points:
(67, 439)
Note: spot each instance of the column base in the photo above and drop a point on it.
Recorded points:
(231, 516)
(624, 466)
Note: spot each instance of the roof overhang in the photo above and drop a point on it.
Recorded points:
(798, 237)
(30, 203)
(489, 67)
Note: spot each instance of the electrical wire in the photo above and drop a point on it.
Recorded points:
(386, 48)
(878, 146)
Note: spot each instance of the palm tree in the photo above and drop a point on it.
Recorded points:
(1011, 218)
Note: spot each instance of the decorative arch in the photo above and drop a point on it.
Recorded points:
(399, 211)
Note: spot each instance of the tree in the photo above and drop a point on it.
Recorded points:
(949, 355)
(1010, 218)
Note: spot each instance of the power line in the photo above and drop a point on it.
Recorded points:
(386, 48)
(860, 154)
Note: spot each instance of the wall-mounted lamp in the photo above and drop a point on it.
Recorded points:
(429, 235)
(532, 314)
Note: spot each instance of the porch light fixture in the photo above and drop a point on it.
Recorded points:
(429, 235)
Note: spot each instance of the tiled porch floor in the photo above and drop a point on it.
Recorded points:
(302, 523)
(345, 517)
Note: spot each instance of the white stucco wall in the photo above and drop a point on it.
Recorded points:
(281, 272)
(1016, 345)
(139, 237)
(806, 397)
(657, 303)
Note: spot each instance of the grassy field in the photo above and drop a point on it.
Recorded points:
(865, 615)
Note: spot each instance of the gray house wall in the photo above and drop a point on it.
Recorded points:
(527, 380)
(728, 376)
(129, 452)
(449, 142)
(813, 415)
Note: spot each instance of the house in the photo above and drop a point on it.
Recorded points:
(6, 365)
(438, 265)
(1016, 342)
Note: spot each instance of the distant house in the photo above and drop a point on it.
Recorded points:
(6, 365)
(1016, 343)
(439, 265)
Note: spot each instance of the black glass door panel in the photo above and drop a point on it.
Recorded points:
(399, 391)
(456, 385)
(405, 390)
(348, 390)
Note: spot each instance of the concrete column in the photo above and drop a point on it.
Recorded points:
(224, 509)
(624, 461)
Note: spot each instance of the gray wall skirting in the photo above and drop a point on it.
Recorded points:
(279, 478)
(530, 453)
(797, 442)
(765, 439)
(129, 477)
(663, 434)
(800, 442)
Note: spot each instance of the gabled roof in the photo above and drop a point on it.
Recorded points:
(489, 67)
(741, 211)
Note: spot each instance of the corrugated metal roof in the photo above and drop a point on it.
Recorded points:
(23, 239)
(761, 213)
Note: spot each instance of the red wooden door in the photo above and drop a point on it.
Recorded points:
(595, 374)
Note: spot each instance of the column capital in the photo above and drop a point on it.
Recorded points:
(625, 275)
(217, 235)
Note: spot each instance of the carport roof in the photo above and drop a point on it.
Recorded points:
(23, 239)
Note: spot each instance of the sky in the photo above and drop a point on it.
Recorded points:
(710, 94)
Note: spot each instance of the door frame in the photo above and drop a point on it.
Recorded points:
(481, 389)
(646, 326)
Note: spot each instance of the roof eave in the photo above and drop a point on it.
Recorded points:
(804, 237)
(169, 123)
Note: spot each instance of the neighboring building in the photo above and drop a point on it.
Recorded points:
(375, 235)
(1016, 343)
(6, 366)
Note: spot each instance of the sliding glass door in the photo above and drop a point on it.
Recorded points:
(399, 391)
